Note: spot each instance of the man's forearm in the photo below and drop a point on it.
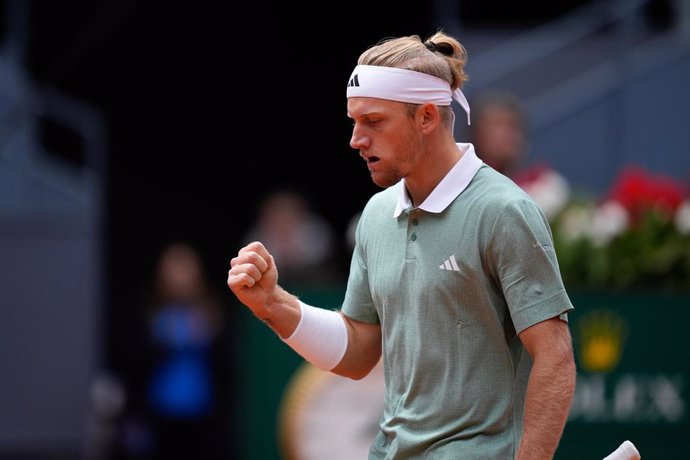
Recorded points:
(549, 396)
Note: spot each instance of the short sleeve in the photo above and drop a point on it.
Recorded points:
(524, 261)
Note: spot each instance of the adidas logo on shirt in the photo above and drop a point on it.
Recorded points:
(354, 81)
(450, 264)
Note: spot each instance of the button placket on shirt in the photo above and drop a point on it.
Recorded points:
(415, 222)
(412, 249)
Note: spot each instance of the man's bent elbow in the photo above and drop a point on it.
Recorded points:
(355, 371)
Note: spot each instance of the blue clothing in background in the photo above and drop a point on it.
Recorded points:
(181, 384)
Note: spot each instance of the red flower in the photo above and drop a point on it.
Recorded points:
(639, 192)
(532, 174)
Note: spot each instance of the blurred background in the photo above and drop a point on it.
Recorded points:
(131, 126)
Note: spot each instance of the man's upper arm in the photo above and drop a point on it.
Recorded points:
(548, 336)
(363, 348)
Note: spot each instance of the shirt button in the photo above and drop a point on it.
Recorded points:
(414, 237)
(415, 221)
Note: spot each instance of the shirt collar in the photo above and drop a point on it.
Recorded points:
(457, 180)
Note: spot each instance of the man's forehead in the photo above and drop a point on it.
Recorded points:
(364, 106)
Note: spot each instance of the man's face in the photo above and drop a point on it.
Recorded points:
(385, 136)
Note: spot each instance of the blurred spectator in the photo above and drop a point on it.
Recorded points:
(302, 242)
(499, 131)
(174, 414)
(500, 134)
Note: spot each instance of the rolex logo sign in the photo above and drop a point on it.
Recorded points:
(601, 338)
(632, 350)
(620, 378)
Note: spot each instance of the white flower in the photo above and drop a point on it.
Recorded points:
(682, 218)
(610, 219)
(551, 192)
(574, 222)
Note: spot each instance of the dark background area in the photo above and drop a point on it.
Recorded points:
(208, 107)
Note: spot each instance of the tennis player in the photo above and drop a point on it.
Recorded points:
(453, 278)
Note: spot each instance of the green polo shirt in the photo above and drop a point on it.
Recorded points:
(452, 282)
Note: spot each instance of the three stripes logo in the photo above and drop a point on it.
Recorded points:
(354, 81)
(450, 264)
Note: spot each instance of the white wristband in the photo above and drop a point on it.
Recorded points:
(626, 451)
(320, 337)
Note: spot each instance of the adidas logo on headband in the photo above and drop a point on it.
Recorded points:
(354, 81)
(402, 85)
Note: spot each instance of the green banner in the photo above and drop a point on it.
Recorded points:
(633, 358)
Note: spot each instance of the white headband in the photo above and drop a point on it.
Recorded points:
(403, 85)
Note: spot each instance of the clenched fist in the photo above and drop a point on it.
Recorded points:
(253, 277)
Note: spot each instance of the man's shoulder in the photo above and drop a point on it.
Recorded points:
(493, 187)
(492, 192)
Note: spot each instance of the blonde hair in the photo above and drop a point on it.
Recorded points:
(439, 55)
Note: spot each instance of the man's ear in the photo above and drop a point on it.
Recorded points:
(429, 117)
